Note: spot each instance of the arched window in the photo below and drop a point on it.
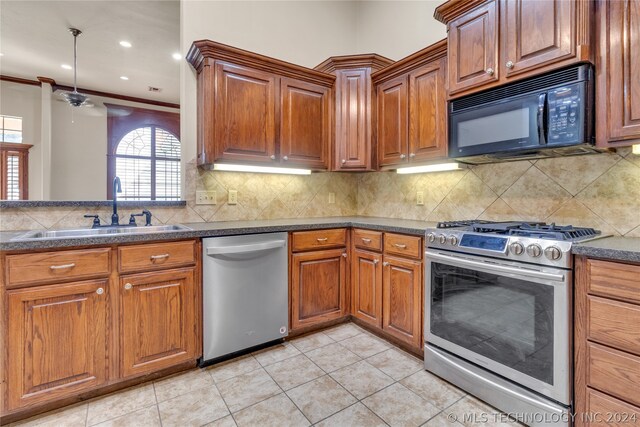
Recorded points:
(144, 151)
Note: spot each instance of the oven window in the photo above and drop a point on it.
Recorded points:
(503, 126)
(506, 320)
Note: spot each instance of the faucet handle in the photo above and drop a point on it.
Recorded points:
(147, 218)
(96, 220)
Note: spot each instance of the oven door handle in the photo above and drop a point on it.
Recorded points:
(495, 267)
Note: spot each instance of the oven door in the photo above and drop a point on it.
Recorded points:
(510, 318)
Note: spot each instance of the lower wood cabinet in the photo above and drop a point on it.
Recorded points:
(402, 299)
(366, 280)
(56, 341)
(157, 320)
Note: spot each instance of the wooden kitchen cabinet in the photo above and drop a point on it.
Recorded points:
(56, 341)
(607, 341)
(253, 109)
(158, 320)
(412, 108)
(354, 110)
(617, 65)
(366, 284)
(495, 42)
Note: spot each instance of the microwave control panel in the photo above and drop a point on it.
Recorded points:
(565, 116)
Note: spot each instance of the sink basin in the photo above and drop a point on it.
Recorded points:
(92, 232)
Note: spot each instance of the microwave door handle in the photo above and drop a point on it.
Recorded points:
(542, 106)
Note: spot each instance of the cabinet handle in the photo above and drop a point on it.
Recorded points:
(412, 155)
(322, 239)
(344, 255)
(400, 246)
(365, 240)
(272, 157)
(376, 261)
(128, 286)
(63, 266)
(509, 64)
(99, 291)
(403, 156)
(343, 161)
(156, 257)
(489, 71)
(385, 264)
(285, 158)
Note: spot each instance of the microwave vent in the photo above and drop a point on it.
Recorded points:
(556, 78)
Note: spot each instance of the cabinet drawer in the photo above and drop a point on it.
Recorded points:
(60, 266)
(614, 279)
(156, 256)
(318, 239)
(614, 323)
(367, 239)
(613, 372)
(611, 411)
(407, 246)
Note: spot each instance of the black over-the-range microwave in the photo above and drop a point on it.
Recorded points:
(546, 116)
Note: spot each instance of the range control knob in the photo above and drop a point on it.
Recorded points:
(431, 237)
(442, 239)
(517, 248)
(534, 250)
(453, 240)
(553, 253)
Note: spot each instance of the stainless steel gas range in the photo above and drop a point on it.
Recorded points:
(498, 314)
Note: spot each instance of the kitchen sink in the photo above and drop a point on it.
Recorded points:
(92, 232)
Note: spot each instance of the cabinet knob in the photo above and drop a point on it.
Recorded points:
(489, 71)
(344, 255)
(272, 157)
(403, 156)
(285, 158)
(128, 286)
(99, 291)
(343, 161)
(509, 64)
(385, 264)
(412, 155)
(376, 261)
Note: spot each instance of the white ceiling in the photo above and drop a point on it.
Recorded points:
(34, 41)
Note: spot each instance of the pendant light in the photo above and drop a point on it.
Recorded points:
(75, 98)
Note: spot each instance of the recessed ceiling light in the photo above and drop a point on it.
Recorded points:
(177, 56)
(124, 77)
(1, 54)
(67, 67)
(125, 43)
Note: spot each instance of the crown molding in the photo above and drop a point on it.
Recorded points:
(430, 53)
(446, 12)
(368, 60)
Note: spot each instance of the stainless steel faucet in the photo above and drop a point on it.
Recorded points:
(117, 188)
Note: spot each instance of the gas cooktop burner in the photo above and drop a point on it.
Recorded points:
(539, 230)
(462, 223)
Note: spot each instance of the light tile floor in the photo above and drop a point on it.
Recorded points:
(343, 376)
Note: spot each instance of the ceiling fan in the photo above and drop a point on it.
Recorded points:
(75, 98)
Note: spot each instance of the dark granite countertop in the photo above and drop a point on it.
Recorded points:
(15, 204)
(222, 228)
(613, 248)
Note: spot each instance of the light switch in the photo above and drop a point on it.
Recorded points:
(204, 197)
(332, 198)
(233, 197)
(420, 198)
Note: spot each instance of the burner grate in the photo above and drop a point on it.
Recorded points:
(461, 223)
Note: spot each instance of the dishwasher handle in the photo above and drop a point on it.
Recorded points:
(241, 249)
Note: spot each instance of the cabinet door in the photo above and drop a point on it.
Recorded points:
(402, 300)
(158, 320)
(318, 287)
(392, 118)
(536, 33)
(57, 341)
(305, 124)
(353, 119)
(428, 112)
(366, 282)
(244, 116)
(473, 48)
(618, 85)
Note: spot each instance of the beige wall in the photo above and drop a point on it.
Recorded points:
(24, 101)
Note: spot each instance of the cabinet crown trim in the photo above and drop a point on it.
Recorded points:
(450, 10)
(369, 60)
(203, 50)
(430, 53)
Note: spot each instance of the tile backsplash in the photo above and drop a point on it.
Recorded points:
(600, 191)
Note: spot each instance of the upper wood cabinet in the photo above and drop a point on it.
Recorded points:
(412, 108)
(258, 110)
(617, 65)
(498, 41)
(354, 118)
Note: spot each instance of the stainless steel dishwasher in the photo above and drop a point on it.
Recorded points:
(245, 293)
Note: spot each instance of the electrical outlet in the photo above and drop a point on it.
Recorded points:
(332, 198)
(206, 197)
(233, 197)
(420, 198)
